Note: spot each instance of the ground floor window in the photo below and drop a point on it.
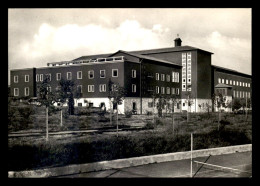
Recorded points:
(16, 91)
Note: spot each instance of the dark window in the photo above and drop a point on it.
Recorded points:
(150, 104)
(79, 104)
(90, 105)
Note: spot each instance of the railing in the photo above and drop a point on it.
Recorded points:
(97, 60)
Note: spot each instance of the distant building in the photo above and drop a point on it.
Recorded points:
(176, 70)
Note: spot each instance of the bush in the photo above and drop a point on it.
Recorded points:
(149, 125)
(128, 114)
(149, 113)
(158, 122)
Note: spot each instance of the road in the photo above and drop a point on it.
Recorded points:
(180, 168)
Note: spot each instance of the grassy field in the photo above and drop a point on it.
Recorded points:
(155, 138)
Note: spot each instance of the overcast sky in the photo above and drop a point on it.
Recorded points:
(39, 36)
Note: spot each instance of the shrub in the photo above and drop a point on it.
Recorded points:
(149, 113)
(158, 122)
(128, 114)
(149, 125)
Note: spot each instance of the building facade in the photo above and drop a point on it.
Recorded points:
(183, 71)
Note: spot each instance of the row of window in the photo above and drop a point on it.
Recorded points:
(236, 83)
(168, 90)
(241, 94)
(26, 91)
(39, 77)
(26, 79)
(175, 77)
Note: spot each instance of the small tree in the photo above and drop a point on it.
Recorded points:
(116, 96)
(173, 100)
(67, 93)
(45, 98)
(189, 103)
(219, 102)
(160, 105)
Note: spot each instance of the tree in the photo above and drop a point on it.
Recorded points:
(219, 102)
(45, 98)
(116, 96)
(66, 93)
(160, 105)
(189, 103)
(173, 100)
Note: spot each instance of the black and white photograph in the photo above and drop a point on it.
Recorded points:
(129, 93)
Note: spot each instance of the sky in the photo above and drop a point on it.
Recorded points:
(39, 36)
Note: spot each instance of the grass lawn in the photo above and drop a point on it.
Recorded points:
(157, 138)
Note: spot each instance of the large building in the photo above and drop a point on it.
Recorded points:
(183, 71)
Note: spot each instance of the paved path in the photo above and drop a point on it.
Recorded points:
(181, 168)
(28, 134)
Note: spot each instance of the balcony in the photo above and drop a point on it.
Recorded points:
(97, 60)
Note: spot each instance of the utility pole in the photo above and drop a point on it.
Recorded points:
(47, 134)
(191, 147)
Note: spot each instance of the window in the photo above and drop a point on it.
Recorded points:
(37, 77)
(150, 104)
(58, 76)
(114, 87)
(26, 78)
(133, 73)
(189, 80)
(248, 84)
(177, 91)
(16, 79)
(79, 104)
(163, 90)
(26, 91)
(240, 83)
(157, 90)
(230, 82)
(183, 104)
(91, 74)
(219, 80)
(41, 77)
(234, 93)
(223, 81)
(157, 76)
(240, 94)
(79, 88)
(237, 94)
(114, 72)
(162, 77)
(226, 81)
(168, 78)
(102, 88)
(133, 88)
(248, 94)
(49, 88)
(79, 75)
(243, 94)
(234, 82)
(69, 76)
(16, 91)
(48, 77)
(173, 76)
(102, 73)
(90, 88)
(168, 90)
(173, 90)
(184, 80)
(237, 83)
(177, 77)
(243, 84)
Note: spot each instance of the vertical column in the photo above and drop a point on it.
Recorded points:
(188, 71)
(184, 74)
